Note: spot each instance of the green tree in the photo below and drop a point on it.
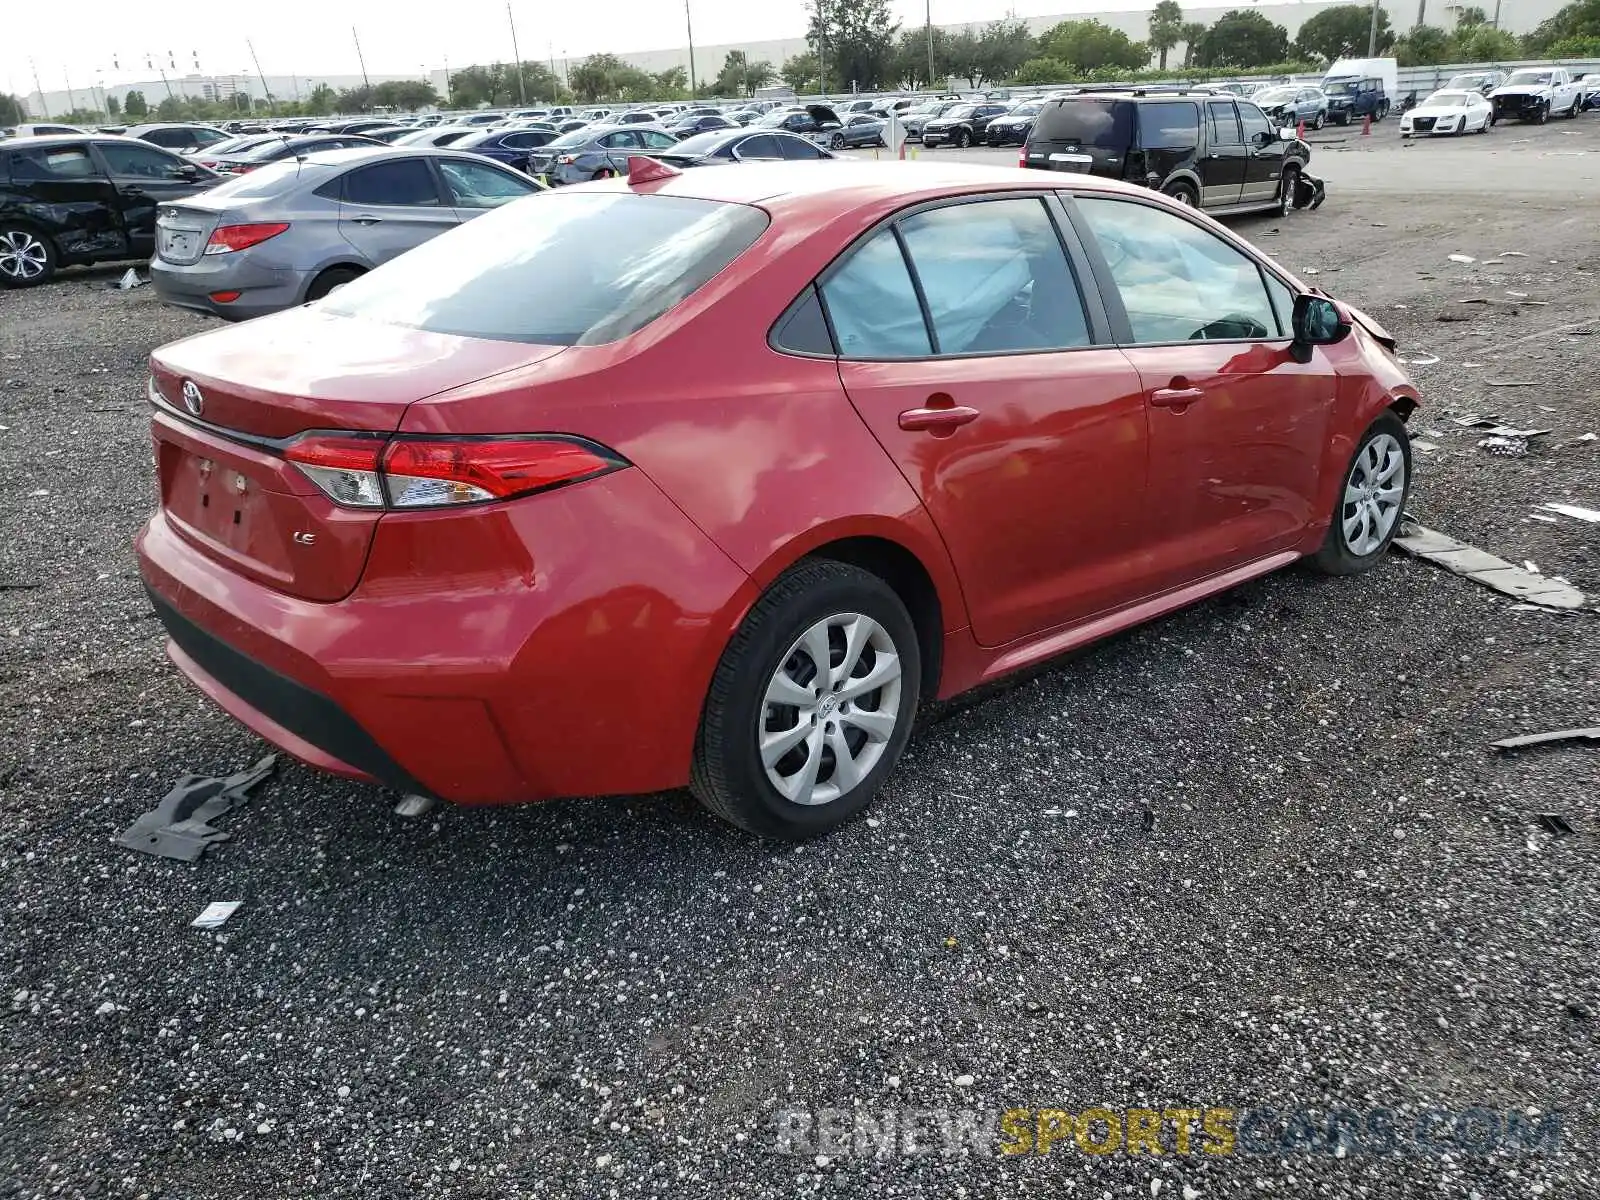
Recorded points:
(135, 105)
(1342, 32)
(1581, 19)
(911, 58)
(1577, 47)
(406, 94)
(1090, 45)
(741, 77)
(1003, 47)
(801, 73)
(1243, 38)
(172, 109)
(1424, 46)
(322, 101)
(1166, 29)
(1486, 44)
(1038, 71)
(607, 77)
(113, 107)
(1470, 16)
(853, 41)
(356, 99)
(964, 57)
(1192, 34)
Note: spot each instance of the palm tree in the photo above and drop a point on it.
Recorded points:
(1190, 34)
(1166, 28)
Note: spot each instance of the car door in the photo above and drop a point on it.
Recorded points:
(758, 147)
(144, 177)
(970, 350)
(616, 147)
(1264, 149)
(386, 208)
(65, 192)
(1237, 424)
(1222, 170)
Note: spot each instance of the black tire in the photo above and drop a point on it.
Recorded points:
(836, 142)
(963, 139)
(727, 775)
(333, 277)
(1336, 557)
(24, 250)
(1183, 193)
(605, 173)
(1544, 115)
(1286, 185)
(1318, 121)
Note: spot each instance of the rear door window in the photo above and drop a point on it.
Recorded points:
(405, 182)
(1103, 124)
(799, 148)
(760, 146)
(1224, 123)
(52, 163)
(995, 278)
(140, 162)
(1169, 126)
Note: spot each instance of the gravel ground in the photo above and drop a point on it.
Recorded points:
(1252, 855)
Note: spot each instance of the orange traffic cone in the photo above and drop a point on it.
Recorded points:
(902, 149)
(1300, 130)
(1366, 126)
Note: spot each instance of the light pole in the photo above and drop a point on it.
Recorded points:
(930, 44)
(688, 22)
(1372, 33)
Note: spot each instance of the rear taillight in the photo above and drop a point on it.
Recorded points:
(566, 160)
(1022, 157)
(413, 473)
(225, 239)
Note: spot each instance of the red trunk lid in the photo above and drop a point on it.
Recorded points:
(225, 485)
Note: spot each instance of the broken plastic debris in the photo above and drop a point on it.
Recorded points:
(1462, 258)
(1425, 446)
(1591, 734)
(215, 914)
(1574, 511)
(1511, 382)
(1548, 520)
(1508, 431)
(1510, 447)
(130, 280)
(1517, 295)
(1530, 566)
(1312, 271)
(1511, 254)
(1487, 570)
(1424, 360)
(414, 806)
(178, 826)
(1556, 824)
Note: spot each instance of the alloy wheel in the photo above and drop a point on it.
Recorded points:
(1373, 495)
(23, 257)
(830, 709)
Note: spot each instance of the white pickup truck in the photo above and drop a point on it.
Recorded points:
(1537, 93)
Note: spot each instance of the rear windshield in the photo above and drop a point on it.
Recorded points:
(1103, 124)
(557, 269)
(270, 180)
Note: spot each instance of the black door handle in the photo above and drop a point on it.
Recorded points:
(133, 191)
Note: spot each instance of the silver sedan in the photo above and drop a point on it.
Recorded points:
(295, 230)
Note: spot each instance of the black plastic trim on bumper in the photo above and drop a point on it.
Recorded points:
(307, 714)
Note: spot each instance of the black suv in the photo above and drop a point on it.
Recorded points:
(962, 125)
(66, 200)
(1206, 149)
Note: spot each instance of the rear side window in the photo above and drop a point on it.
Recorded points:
(404, 182)
(566, 269)
(761, 146)
(52, 162)
(799, 148)
(1103, 124)
(140, 162)
(873, 305)
(474, 185)
(1169, 126)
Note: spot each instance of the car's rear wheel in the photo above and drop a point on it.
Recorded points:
(605, 173)
(1183, 193)
(333, 277)
(811, 704)
(26, 258)
(1371, 499)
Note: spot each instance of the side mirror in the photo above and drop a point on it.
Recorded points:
(1286, 134)
(1264, 138)
(189, 171)
(1318, 321)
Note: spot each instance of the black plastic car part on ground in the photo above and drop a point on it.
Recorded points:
(1210, 150)
(75, 200)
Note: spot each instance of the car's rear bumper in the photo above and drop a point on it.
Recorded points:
(497, 657)
(261, 289)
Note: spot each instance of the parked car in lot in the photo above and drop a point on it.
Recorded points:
(417, 550)
(694, 123)
(180, 139)
(238, 144)
(915, 118)
(1537, 94)
(721, 147)
(1483, 82)
(67, 200)
(859, 129)
(36, 129)
(293, 231)
(1011, 128)
(241, 162)
(815, 121)
(1589, 85)
(595, 152)
(388, 134)
(509, 146)
(1290, 104)
(1449, 111)
(360, 126)
(1210, 150)
(962, 125)
(438, 135)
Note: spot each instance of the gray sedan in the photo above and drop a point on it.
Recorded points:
(595, 152)
(295, 230)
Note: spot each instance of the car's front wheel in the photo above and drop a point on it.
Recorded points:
(1371, 499)
(963, 139)
(836, 142)
(26, 258)
(811, 704)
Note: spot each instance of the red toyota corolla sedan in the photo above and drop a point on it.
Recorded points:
(710, 478)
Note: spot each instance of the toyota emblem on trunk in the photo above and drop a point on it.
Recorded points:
(192, 399)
